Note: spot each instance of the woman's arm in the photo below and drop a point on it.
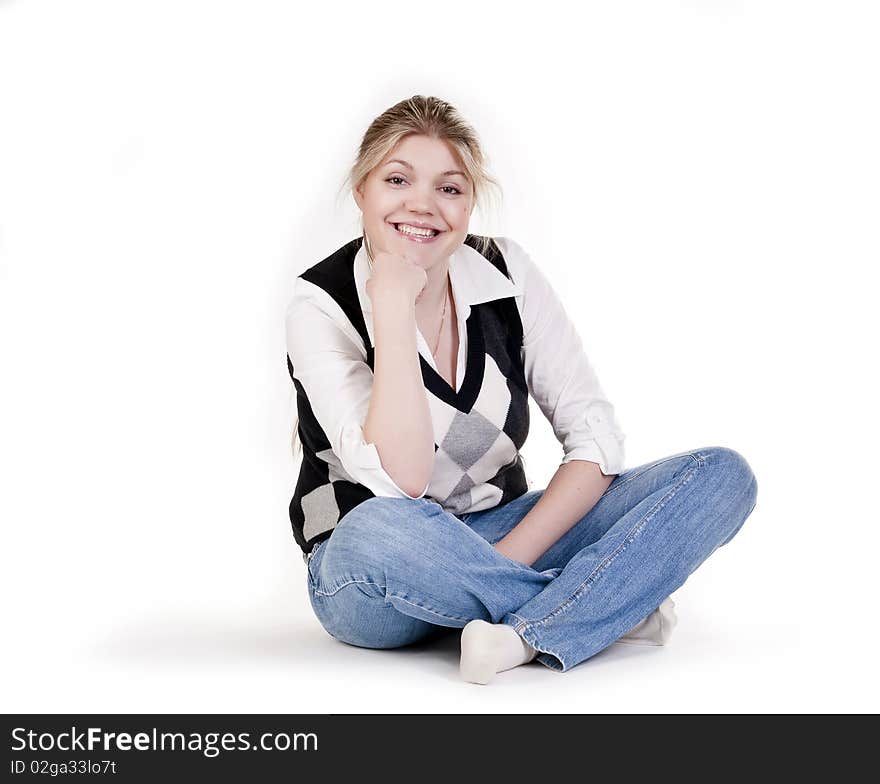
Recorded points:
(398, 421)
(328, 360)
(574, 490)
(563, 382)
(560, 376)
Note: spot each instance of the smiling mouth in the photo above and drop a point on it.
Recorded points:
(416, 234)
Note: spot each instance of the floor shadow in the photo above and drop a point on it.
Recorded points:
(180, 640)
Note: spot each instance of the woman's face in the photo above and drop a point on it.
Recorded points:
(419, 183)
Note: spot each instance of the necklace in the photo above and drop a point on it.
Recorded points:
(442, 320)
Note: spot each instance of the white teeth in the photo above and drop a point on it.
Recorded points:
(405, 229)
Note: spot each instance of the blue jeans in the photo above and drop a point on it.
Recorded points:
(398, 570)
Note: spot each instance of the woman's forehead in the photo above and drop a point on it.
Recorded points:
(424, 153)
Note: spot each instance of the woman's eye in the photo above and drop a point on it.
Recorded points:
(446, 188)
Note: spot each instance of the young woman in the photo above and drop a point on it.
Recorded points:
(413, 350)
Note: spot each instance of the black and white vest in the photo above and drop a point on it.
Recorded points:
(485, 422)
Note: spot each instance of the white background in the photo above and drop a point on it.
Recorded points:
(698, 179)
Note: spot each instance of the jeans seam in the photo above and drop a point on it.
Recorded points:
(338, 588)
(428, 609)
(396, 596)
(521, 622)
(523, 630)
(631, 535)
(698, 457)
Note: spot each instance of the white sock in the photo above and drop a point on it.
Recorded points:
(656, 629)
(490, 648)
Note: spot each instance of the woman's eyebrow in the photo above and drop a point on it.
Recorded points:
(409, 166)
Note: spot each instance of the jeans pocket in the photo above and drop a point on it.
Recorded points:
(312, 563)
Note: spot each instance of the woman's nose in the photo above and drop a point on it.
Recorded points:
(419, 202)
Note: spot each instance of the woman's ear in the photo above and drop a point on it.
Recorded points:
(358, 197)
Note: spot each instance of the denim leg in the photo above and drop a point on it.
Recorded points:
(653, 526)
(396, 569)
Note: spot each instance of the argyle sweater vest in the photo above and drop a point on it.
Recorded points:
(478, 430)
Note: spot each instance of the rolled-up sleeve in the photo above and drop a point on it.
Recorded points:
(559, 374)
(329, 361)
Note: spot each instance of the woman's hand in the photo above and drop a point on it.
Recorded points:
(395, 275)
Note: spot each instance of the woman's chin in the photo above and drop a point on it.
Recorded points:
(422, 256)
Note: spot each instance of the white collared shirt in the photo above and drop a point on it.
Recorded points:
(330, 360)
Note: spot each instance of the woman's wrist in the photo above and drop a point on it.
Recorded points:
(393, 302)
(392, 299)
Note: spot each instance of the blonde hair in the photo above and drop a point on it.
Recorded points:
(425, 116)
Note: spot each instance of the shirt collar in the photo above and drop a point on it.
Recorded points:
(474, 279)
